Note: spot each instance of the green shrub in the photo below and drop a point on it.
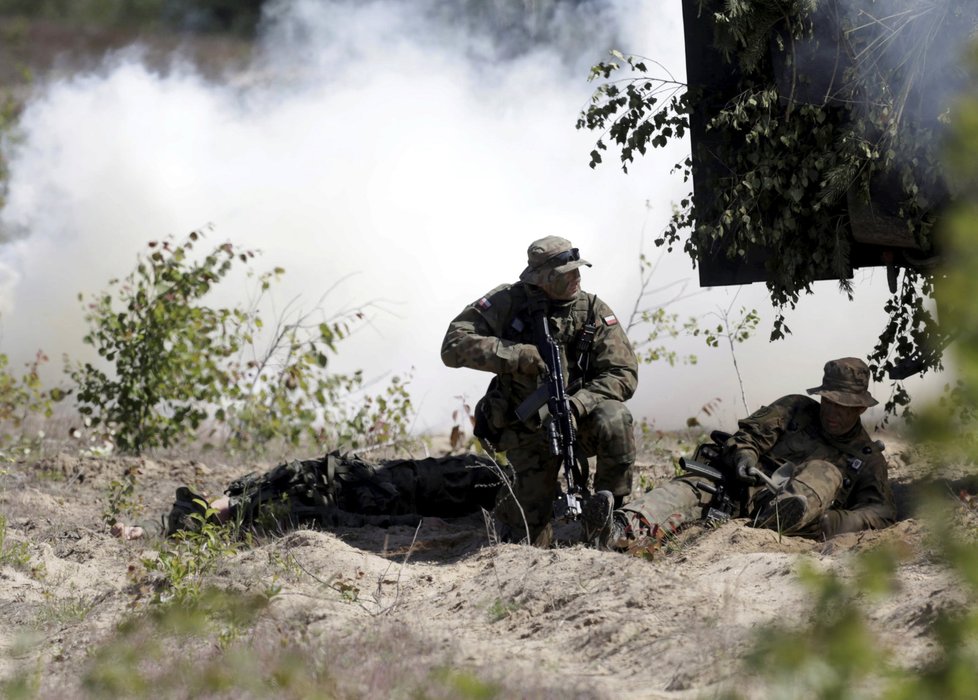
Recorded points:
(20, 398)
(179, 366)
(123, 503)
(168, 350)
(186, 559)
(13, 554)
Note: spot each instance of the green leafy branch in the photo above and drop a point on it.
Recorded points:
(786, 175)
(650, 323)
(734, 330)
(167, 350)
(633, 113)
(178, 367)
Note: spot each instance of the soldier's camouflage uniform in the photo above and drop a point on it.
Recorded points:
(843, 478)
(486, 336)
(346, 490)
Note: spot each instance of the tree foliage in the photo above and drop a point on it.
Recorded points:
(787, 171)
(239, 16)
(173, 365)
(8, 113)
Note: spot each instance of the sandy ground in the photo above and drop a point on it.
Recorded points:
(437, 611)
(426, 612)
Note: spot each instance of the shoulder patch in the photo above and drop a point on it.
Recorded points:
(483, 303)
(610, 320)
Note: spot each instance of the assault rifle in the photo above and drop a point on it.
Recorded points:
(718, 478)
(726, 499)
(559, 425)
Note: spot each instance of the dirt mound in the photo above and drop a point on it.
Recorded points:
(435, 608)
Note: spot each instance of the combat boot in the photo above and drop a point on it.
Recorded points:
(189, 511)
(596, 519)
(599, 526)
(785, 513)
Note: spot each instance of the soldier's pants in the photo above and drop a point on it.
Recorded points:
(666, 508)
(606, 433)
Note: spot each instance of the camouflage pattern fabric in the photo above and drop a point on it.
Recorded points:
(488, 336)
(844, 479)
(817, 481)
(848, 473)
(666, 509)
(345, 490)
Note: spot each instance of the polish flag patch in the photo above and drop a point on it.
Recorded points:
(483, 303)
(610, 320)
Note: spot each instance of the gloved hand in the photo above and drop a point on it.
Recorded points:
(528, 361)
(745, 461)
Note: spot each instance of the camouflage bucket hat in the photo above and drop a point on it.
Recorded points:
(550, 253)
(846, 382)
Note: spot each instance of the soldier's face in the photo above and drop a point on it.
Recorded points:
(562, 286)
(837, 419)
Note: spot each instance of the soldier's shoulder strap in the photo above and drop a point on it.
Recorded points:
(586, 338)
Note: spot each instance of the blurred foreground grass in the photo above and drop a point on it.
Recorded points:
(837, 654)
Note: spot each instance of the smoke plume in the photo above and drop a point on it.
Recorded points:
(398, 151)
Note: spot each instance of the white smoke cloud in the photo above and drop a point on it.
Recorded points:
(374, 144)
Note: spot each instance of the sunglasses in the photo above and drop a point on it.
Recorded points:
(564, 258)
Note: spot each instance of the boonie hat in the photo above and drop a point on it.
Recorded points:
(846, 382)
(550, 253)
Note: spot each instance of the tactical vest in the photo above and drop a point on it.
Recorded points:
(573, 329)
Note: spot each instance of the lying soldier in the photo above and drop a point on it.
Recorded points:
(829, 476)
(340, 490)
